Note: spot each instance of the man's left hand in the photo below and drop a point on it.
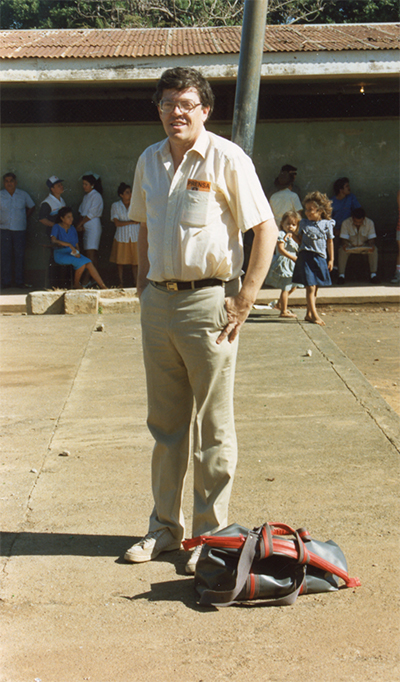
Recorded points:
(237, 308)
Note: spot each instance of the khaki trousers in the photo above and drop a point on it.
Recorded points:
(185, 367)
(372, 260)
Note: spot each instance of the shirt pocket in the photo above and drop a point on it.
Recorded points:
(20, 203)
(195, 208)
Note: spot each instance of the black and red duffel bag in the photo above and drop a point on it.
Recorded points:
(273, 563)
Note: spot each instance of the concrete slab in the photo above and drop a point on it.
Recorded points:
(13, 303)
(318, 447)
(335, 295)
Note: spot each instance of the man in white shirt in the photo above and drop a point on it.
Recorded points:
(194, 195)
(15, 208)
(358, 236)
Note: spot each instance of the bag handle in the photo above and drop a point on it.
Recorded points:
(213, 597)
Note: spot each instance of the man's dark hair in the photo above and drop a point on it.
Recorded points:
(358, 213)
(182, 78)
(122, 187)
(339, 184)
(9, 175)
(288, 168)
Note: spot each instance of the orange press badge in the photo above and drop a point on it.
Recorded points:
(199, 185)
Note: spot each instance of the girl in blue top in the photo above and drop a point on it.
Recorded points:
(65, 237)
(281, 271)
(315, 260)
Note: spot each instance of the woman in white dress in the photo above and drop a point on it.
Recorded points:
(124, 248)
(91, 210)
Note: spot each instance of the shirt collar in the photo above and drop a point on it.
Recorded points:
(202, 143)
(200, 146)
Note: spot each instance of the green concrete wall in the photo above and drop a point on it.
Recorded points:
(367, 151)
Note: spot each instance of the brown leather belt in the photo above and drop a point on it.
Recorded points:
(197, 284)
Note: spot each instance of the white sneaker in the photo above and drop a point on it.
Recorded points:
(396, 278)
(194, 557)
(152, 545)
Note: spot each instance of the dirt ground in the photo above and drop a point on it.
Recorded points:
(365, 334)
(316, 450)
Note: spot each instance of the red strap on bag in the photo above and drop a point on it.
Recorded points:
(295, 549)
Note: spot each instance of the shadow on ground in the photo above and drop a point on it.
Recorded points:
(68, 544)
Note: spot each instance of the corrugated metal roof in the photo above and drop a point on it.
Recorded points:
(96, 43)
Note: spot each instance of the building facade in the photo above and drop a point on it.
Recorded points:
(80, 100)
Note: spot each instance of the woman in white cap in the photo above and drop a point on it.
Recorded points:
(53, 202)
(91, 210)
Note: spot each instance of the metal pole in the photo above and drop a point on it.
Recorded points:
(248, 79)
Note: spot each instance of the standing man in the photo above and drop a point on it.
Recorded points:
(15, 208)
(194, 195)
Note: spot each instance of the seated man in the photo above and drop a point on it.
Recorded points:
(358, 236)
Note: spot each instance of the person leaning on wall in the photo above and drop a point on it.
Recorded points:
(15, 208)
(124, 248)
(343, 202)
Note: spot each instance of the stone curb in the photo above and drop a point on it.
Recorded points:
(81, 302)
(45, 303)
(125, 300)
(119, 305)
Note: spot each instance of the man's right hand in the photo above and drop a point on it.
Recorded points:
(238, 309)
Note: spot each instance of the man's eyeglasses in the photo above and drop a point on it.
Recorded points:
(185, 106)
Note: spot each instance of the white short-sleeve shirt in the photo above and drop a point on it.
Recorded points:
(358, 237)
(124, 233)
(283, 201)
(92, 205)
(196, 216)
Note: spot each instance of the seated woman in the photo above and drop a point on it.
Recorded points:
(65, 237)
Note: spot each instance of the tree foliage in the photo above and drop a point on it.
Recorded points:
(26, 14)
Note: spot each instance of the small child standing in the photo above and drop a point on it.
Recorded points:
(281, 270)
(312, 268)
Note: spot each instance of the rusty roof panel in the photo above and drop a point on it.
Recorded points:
(134, 43)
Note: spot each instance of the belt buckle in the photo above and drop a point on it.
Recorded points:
(171, 286)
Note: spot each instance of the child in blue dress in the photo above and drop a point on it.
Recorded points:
(315, 260)
(281, 270)
(65, 237)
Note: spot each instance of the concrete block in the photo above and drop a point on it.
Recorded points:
(81, 302)
(117, 293)
(119, 305)
(45, 303)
